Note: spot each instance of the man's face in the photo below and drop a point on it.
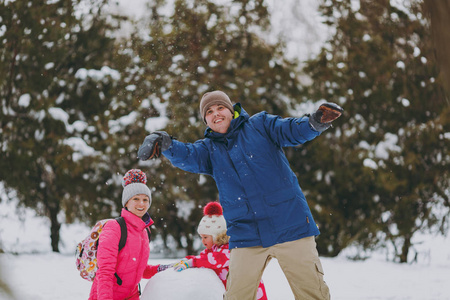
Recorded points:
(218, 118)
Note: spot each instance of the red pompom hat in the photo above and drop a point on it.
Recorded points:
(213, 223)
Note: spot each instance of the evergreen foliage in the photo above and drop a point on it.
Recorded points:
(391, 172)
(77, 102)
(201, 46)
(54, 91)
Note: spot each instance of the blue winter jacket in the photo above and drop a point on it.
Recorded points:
(260, 195)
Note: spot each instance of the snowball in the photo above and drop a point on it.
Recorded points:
(196, 283)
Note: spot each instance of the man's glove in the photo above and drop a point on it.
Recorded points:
(164, 267)
(183, 265)
(154, 144)
(322, 118)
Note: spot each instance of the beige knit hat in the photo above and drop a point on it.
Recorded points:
(214, 98)
(213, 223)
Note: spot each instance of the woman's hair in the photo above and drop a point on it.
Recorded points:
(222, 239)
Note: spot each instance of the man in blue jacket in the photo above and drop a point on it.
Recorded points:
(266, 212)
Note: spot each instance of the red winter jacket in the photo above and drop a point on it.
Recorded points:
(218, 259)
(130, 263)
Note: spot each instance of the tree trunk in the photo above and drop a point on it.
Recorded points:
(54, 228)
(439, 12)
(190, 245)
(405, 249)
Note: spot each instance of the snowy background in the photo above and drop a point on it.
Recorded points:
(297, 22)
(37, 273)
(33, 272)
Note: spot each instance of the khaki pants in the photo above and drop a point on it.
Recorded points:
(299, 261)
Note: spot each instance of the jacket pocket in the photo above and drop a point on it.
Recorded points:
(238, 210)
(240, 222)
(287, 211)
(280, 196)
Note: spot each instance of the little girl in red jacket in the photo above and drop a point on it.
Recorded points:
(216, 256)
(119, 273)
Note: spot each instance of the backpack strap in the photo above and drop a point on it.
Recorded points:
(123, 232)
(149, 233)
(122, 241)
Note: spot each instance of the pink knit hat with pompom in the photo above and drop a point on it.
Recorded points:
(134, 183)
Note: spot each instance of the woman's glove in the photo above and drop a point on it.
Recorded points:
(164, 267)
(183, 265)
(154, 144)
(327, 113)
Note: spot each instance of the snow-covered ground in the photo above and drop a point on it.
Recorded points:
(53, 276)
(37, 273)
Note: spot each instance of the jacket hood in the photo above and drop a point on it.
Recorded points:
(240, 117)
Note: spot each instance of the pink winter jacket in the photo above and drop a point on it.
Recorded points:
(130, 263)
(218, 259)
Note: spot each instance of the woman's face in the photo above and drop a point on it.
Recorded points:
(218, 118)
(138, 205)
(207, 240)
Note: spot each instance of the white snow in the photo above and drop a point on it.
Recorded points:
(401, 65)
(405, 102)
(51, 276)
(181, 286)
(2, 29)
(184, 208)
(37, 273)
(59, 114)
(116, 125)
(49, 65)
(80, 148)
(25, 100)
(98, 75)
(370, 163)
(156, 123)
(389, 144)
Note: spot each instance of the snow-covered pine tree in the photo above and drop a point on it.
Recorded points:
(381, 175)
(55, 92)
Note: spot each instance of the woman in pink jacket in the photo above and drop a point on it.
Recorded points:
(119, 273)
